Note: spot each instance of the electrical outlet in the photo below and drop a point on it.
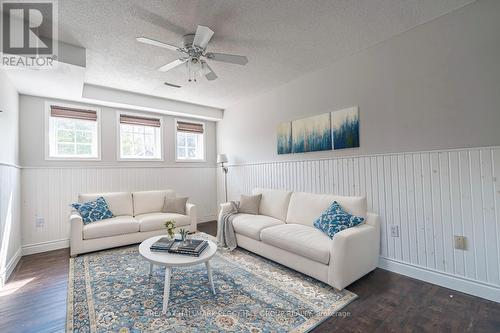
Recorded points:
(39, 221)
(459, 242)
(395, 231)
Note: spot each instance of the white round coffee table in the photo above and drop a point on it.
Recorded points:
(170, 260)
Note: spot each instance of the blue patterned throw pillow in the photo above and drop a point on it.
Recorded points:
(335, 219)
(93, 210)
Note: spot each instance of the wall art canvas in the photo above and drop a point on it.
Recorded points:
(311, 134)
(284, 138)
(345, 128)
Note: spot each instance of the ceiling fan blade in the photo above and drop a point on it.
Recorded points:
(230, 58)
(171, 65)
(202, 36)
(209, 72)
(154, 42)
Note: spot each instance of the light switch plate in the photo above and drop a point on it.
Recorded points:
(459, 242)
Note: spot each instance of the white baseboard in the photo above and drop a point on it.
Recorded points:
(45, 246)
(9, 268)
(454, 282)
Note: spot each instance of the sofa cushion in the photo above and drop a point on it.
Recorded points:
(118, 225)
(150, 201)
(305, 208)
(335, 219)
(251, 225)
(119, 203)
(156, 221)
(249, 204)
(175, 205)
(92, 211)
(300, 239)
(273, 203)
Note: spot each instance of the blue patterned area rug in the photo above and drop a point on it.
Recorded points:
(111, 291)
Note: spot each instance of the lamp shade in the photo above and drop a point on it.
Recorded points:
(221, 158)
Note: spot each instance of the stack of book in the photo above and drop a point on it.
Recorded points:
(162, 245)
(191, 247)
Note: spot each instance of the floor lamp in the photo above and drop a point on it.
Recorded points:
(221, 159)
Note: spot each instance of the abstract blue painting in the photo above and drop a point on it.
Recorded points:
(311, 134)
(345, 128)
(284, 138)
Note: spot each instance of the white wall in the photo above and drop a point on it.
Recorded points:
(49, 187)
(9, 121)
(434, 87)
(10, 228)
(32, 134)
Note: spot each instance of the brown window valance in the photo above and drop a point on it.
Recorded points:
(66, 112)
(137, 120)
(183, 126)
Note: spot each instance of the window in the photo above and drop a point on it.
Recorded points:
(190, 141)
(73, 133)
(140, 137)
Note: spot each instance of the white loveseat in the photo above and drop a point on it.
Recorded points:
(137, 216)
(284, 232)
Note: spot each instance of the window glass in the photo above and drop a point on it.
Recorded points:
(140, 141)
(190, 146)
(72, 138)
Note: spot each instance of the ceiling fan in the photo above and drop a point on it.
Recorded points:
(193, 54)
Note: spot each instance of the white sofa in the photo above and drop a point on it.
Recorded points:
(284, 232)
(137, 216)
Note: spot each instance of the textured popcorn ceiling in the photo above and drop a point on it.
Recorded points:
(282, 39)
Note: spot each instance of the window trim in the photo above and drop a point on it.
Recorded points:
(47, 133)
(118, 138)
(204, 159)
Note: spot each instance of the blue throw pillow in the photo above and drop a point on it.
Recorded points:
(335, 219)
(93, 210)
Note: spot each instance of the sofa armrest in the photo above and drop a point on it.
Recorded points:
(76, 241)
(192, 213)
(354, 252)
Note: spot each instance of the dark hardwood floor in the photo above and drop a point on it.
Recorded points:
(34, 300)
(34, 297)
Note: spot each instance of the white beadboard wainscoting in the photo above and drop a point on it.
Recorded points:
(47, 192)
(430, 196)
(10, 219)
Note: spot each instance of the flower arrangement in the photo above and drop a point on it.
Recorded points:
(170, 225)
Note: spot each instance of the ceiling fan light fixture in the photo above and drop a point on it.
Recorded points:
(194, 69)
(194, 54)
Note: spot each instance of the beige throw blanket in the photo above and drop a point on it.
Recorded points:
(225, 232)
